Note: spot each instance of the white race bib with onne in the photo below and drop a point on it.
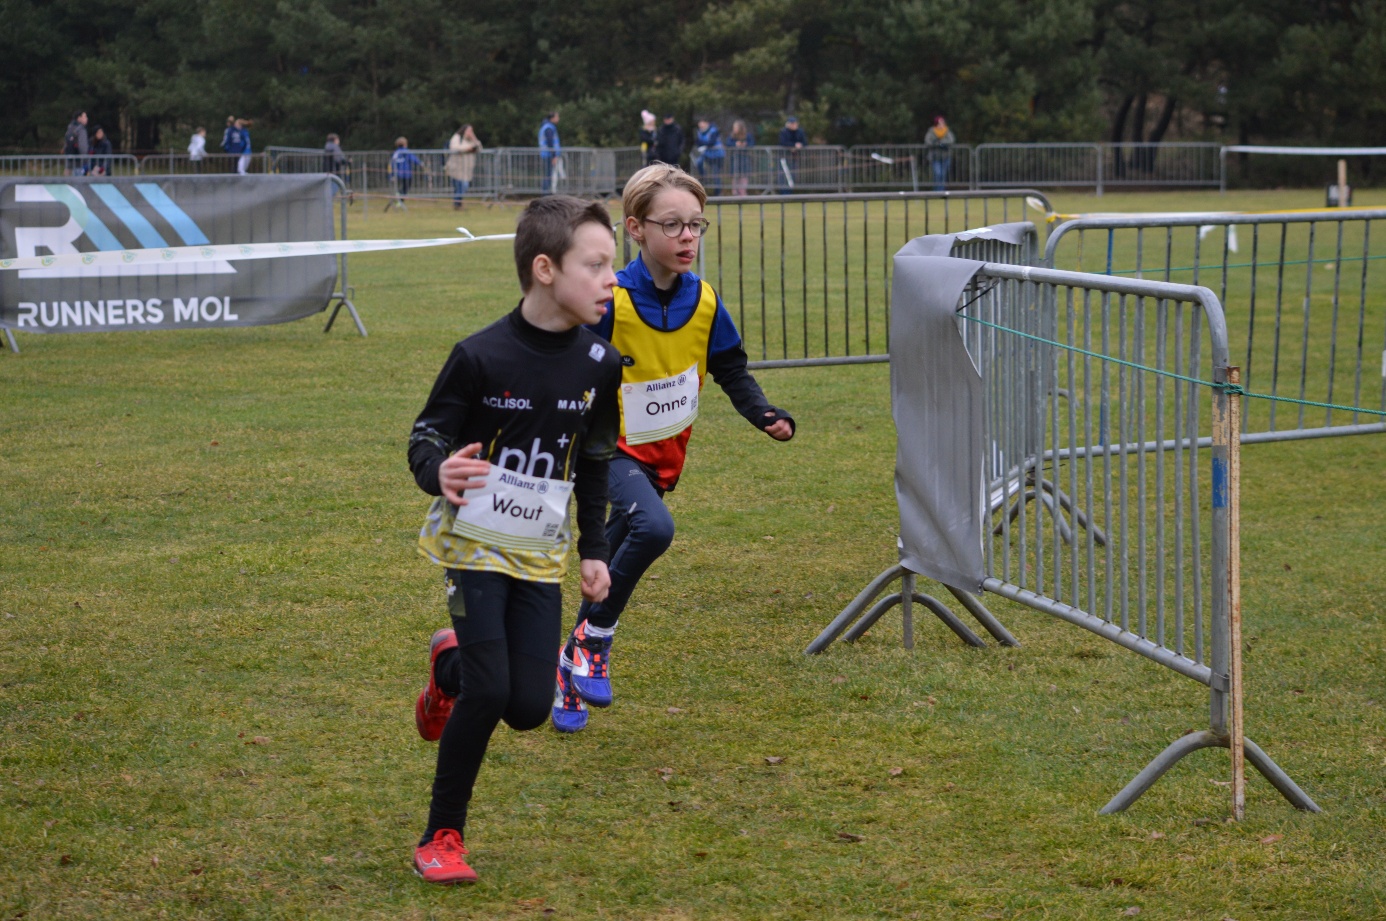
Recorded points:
(514, 511)
(660, 409)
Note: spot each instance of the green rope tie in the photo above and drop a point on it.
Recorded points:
(1225, 388)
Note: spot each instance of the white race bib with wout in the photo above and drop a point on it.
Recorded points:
(514, 511)
(660, 409)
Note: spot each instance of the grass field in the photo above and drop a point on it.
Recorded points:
(213, 625)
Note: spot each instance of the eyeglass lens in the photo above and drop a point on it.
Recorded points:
(673, 228)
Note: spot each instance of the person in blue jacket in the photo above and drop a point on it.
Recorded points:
(237, 141)
(711, 154)
(402, 164)
(550, 152)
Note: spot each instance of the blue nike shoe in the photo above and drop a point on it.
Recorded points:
(588, 660)
(569, 712)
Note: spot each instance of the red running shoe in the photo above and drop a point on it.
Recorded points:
(434, 707)
(440, 860)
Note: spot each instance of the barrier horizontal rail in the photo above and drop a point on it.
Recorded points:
(68, 165)
(1308, 317)
(808, 278)
(181, 164)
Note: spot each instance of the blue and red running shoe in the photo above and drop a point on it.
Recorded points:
(569, 712)
(588, 659)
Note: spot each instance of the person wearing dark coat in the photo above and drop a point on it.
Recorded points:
(668, 142)
(76, 144)
(793, 139)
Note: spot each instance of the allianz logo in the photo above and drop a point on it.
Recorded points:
(86, 230)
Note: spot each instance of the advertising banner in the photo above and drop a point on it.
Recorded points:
(89, 220)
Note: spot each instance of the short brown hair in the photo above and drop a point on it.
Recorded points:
(642, 188)
(546, 228)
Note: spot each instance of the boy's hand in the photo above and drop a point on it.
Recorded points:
(596, 580)
(462, 471)
(781, 430)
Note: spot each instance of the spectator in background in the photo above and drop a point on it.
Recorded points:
(647, 136)
(197, 149)
(938, 145)
(75, 144)
(226, 134)
(461, 166)
(550, 153)
(402, 164)
(100, 163)
(793, 139)
(741, 142)
(237, 141)
(711, 154)
(334, 159)
(668, 142)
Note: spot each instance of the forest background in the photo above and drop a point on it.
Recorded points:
(854, 71)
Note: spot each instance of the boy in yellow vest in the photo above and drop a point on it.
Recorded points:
(671, 330)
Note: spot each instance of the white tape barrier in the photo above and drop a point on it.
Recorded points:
(232, 252)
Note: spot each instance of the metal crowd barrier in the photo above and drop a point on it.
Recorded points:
(1040, 164)
(45, 167)
(175, 164)
(1165, 164)
(1122, 456)
(905, 166)
(583, 171)
(628, 162)
(763, 170)
(1306, 315)
(808, 278)
(1097, 165)
(1113, 468)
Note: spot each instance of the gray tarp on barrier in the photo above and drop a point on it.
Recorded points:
(88, 214)
(936, 399)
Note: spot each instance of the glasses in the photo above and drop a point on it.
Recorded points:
(674, 227)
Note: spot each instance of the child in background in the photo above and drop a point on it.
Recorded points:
(402, 164)
(522, 415)
(671, 329)
(197, 149)
(711, 153)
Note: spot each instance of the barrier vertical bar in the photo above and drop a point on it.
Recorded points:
(1232, 434)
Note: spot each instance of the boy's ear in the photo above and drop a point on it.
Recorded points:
(634, 229)
(542, 269)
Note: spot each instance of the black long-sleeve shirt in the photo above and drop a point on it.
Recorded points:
(541, 403)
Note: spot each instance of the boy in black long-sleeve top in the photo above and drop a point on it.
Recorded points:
(523, 413)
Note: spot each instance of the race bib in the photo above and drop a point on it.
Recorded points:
(660, 409)
(514, 511)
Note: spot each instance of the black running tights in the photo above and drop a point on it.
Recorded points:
(503, 669)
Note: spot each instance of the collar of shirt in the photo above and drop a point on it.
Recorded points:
(636, 279)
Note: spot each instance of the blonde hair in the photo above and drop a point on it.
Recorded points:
(641, 189)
